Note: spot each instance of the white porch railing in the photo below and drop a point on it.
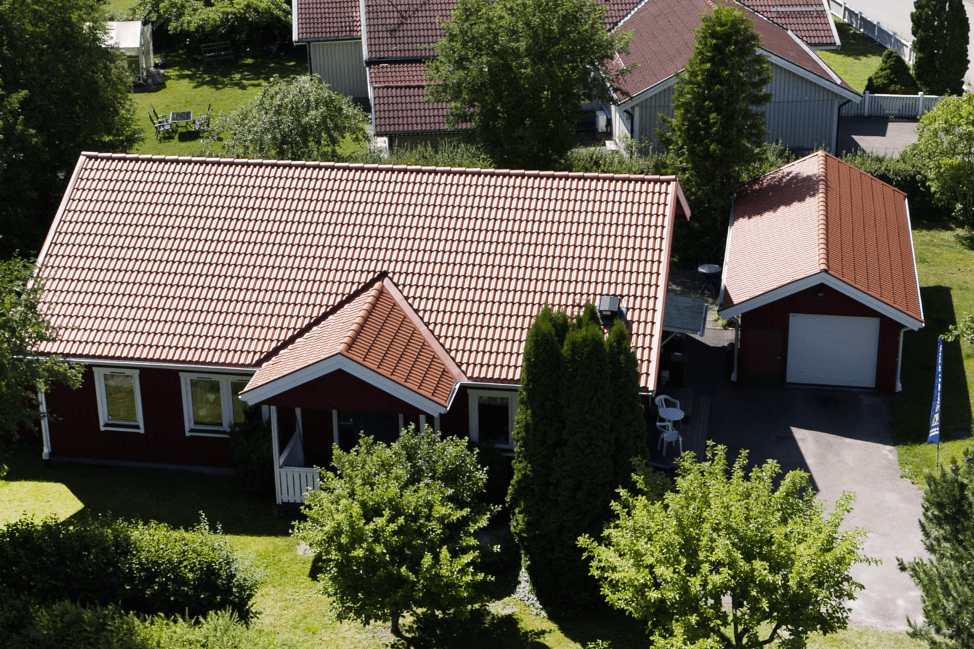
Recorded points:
(909, 106)
(293, 478)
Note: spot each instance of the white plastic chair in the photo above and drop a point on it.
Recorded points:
(669, 435)
(663, 401)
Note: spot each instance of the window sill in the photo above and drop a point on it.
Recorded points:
(122, 428)
(195, 432)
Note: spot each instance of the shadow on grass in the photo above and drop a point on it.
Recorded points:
(241, 73)
(172, 497)
(912, 420)
(480, 629)
(855, 45)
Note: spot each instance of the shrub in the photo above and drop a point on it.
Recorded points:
(893, 77)
(67, 624)
(251, 450)
(177, 572)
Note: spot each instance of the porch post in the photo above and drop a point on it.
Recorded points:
(436, 423)
(334, 427)
(277, 454)
(422, 423)
(46, 432)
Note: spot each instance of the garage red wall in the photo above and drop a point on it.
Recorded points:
(76, 432)
(764, 335)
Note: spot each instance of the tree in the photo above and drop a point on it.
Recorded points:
(297, 118)
(394, 527)
(893, 77)
(517, 72)
(945, 148)
(964, 329)
(61, 92)
(247, 24)
(719, 536)
(941, 33)
(23, 327)
(717, 126)
(947, 579)
(578, 428)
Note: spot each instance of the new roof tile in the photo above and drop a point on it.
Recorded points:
(821, 214)
(202, 251)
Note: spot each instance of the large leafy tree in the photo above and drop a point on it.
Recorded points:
(296, 118)
(941, 34)
(61, 92)
(23, 328)
(947, 579)
(717, 127)
(394, 527)
(517, 72)
(721, 536)
(945, 149)
(578, 428)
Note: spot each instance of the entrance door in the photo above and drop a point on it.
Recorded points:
(832, 350)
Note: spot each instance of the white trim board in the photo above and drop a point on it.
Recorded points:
(825, 278)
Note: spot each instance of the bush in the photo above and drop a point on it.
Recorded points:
(147, 568)
(893, 77)
(66, 624)
(251, 450)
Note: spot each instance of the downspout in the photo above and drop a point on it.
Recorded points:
(737, 346)
(838, 119)
(45, 430)
(899, 361)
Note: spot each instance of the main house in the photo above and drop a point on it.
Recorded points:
(340, 297)
(377, 49)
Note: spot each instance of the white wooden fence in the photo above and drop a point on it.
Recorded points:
(293, 478)
(874, 30)
(908, 106)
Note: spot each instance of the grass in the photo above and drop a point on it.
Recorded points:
(191, 85)
(119, 5)
(858, 58)
(289, 604)
(945, 266)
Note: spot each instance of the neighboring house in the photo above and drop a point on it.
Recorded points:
(342, 297)
(809, 20)
(134, 40)
(398, 37)
(821, 270)
(332, 31)
(807, 94)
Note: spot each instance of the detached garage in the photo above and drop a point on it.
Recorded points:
(819, 268)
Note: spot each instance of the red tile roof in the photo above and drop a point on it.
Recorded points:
(220, 262)
(810, 20)
(397, 74)
(381, 332)
(328, 20)
(404, 29)
(821, 215)
(402, 111)
(663, 41)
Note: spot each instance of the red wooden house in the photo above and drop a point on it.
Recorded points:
(340, 297)
(821, 271)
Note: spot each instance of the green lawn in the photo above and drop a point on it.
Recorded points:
(191, 85)
(945, 266)
(858, 58)
(288, 602)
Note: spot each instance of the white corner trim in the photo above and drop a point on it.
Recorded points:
(294, 21)
(365, 35)
(822, 277)
(136, 426)
(341, 362)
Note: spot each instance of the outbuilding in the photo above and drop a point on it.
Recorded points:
(134, 40)
(820, 270)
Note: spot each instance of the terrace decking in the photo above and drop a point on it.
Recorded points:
(693, 428)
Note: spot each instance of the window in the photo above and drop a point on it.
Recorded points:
(211, 404)
(492, 417)
(119, 399)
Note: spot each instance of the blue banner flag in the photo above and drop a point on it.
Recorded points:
(934, 436)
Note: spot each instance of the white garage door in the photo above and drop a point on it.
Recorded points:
(832, 350)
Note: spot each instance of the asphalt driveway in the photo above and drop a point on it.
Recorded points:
(844, 439)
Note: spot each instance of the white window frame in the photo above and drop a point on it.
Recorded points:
(473, 400)
(136, 426)
(226, 403)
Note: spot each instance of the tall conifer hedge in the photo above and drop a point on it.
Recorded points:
(578, 426)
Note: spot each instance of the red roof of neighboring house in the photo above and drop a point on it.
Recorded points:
(404, 29)
(810, 20)
(663, 41)
(822, 220)
(211, 262)
(400, 110)
(397, 74)
(379, 331)
(328, 20)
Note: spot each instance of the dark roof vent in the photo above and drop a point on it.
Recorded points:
(610, 309)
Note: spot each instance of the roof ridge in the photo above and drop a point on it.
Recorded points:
(361, 318)
(527, 173)
(823, 232)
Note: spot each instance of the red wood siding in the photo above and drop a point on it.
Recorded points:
(341, 391)
(76, 432)
(764, 335)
